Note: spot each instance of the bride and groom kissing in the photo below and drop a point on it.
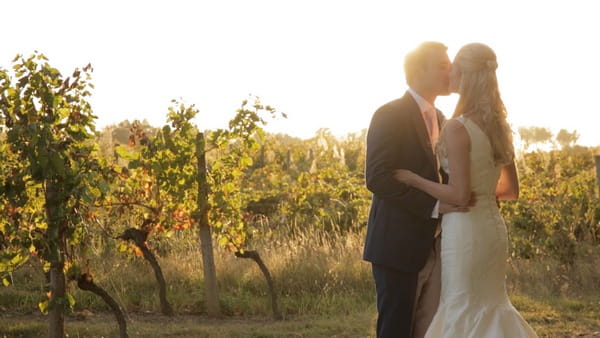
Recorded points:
(435, 237)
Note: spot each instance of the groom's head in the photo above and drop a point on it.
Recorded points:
(427, 69)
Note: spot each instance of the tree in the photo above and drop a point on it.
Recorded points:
(566, 139)
(172, 175)
(158, 178)
(534, 135)
(53, 174)
(234, 148)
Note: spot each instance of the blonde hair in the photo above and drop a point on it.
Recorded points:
(480, 96)
(417, 60)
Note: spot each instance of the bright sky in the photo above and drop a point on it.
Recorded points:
(327, 64)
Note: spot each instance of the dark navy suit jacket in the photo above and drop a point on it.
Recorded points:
(400, 228)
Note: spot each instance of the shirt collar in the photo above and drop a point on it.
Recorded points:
(421, 102)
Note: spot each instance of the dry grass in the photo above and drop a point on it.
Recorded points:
(324, 289)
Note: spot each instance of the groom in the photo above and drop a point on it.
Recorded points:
(402, 240)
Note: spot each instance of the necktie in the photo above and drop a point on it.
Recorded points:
(432, 126)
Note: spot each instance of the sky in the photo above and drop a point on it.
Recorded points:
(325, 63)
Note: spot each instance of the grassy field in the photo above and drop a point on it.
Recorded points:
(324, 290)
(559, 318)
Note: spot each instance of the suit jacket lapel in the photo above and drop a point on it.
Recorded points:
(419, 124)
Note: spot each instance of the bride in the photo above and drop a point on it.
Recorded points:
(476, 151)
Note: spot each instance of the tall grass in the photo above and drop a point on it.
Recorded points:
(317, 273)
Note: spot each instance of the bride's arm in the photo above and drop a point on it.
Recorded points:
(458, 189)
(508, 184)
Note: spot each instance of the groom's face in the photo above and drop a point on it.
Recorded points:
(437, 73)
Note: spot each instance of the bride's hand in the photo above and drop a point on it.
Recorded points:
(405, 176)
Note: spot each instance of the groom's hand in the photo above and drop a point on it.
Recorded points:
(446, 208)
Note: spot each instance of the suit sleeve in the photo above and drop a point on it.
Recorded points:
(383, 149)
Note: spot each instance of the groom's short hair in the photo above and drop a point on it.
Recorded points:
(417, 59)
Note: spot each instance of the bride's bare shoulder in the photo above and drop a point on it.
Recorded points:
(455, 125)
(455, 133)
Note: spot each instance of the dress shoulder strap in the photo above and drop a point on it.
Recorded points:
(460, 119)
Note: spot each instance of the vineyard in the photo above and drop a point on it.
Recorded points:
(235, 231)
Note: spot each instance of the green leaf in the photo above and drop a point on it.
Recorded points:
(103, 186)
(63, 112)
(125, 154)
(246, 161)
(122, 247)
(73, 272)
(70, 300)
(223, 241)
(57, 163)
(43, 306)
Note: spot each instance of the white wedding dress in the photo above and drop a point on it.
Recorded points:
(474, 253)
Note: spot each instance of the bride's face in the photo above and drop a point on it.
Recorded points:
(454, 78)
